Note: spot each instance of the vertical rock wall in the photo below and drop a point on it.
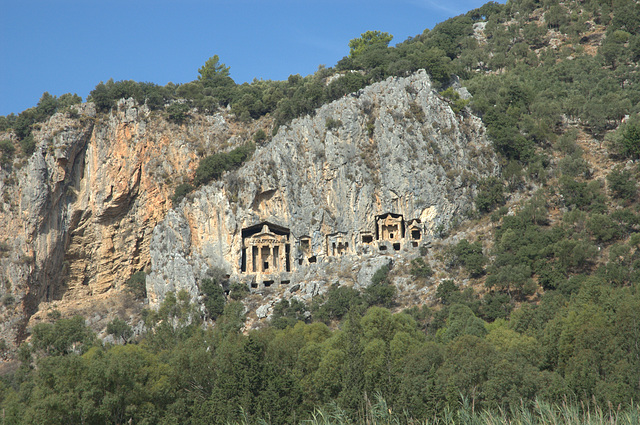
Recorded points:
(77, 215)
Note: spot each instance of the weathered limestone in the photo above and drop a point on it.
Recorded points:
(343, 193)
(81, 211)
(91, 206)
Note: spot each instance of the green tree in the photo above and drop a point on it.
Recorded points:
(63, 337)
(512, 279)
(420, 269)
(212, 70)
(175, 321)
(469, 359)
(287, 313)
(336, 303)
(461, 321)
(626, 140)
(381, 291)
(367, 39)
(178, 112)
(212, 166)
(447, 291)
(214, 298)
(418, 392)
(603, 228)
(101, 97)
(622, 184)
(490, 194)
(182, 190)
(125, 383)
(470, 256)
(120, 329)
(7, 149)
(136, 285)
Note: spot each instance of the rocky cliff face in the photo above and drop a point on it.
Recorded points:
(77, 216)
(326, 182)
(91, 206)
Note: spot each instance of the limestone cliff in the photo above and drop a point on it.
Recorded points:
(78, 214)
(91, 206)
(325, 181)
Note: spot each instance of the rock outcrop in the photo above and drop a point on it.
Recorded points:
(78, 215)
(325, 181)
(365, 181)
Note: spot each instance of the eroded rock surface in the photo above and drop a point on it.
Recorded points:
(394, 147)
(92, 205)
(77, 216)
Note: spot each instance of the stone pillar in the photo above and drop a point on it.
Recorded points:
(249, 259)
(271, 262)
(283, 258)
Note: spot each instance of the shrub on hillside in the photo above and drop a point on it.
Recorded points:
(381, 291)
(214, 299)
(419, 268)
(182, 190)
(137, 285)
(336, 303)
(490, 194)
(470, 256)
(622, 184)
(177, 112)
(212, 167)
(287, 313)
(625, 141)
(7, 150)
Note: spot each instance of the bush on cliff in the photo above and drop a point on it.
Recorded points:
(212, 167)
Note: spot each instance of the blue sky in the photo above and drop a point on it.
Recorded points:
(68, 46)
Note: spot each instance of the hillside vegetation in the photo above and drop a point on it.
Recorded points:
(538, 308)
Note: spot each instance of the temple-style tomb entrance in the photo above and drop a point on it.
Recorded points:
(389, 227)
(265, 249)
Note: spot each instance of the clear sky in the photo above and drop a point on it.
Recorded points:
(69, 46)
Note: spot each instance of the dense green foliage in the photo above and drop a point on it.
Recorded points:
(470, 256)
(7, 150)
(136, 285)
(105, 95)
(370, 38)
(24, 122)
(212, 167)
(580, 345)
(490, 194)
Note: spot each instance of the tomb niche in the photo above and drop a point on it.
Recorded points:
(390, 227)
(265, 249)
(366, 237)
(337, 244)
(414, 231)
(304, 249)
